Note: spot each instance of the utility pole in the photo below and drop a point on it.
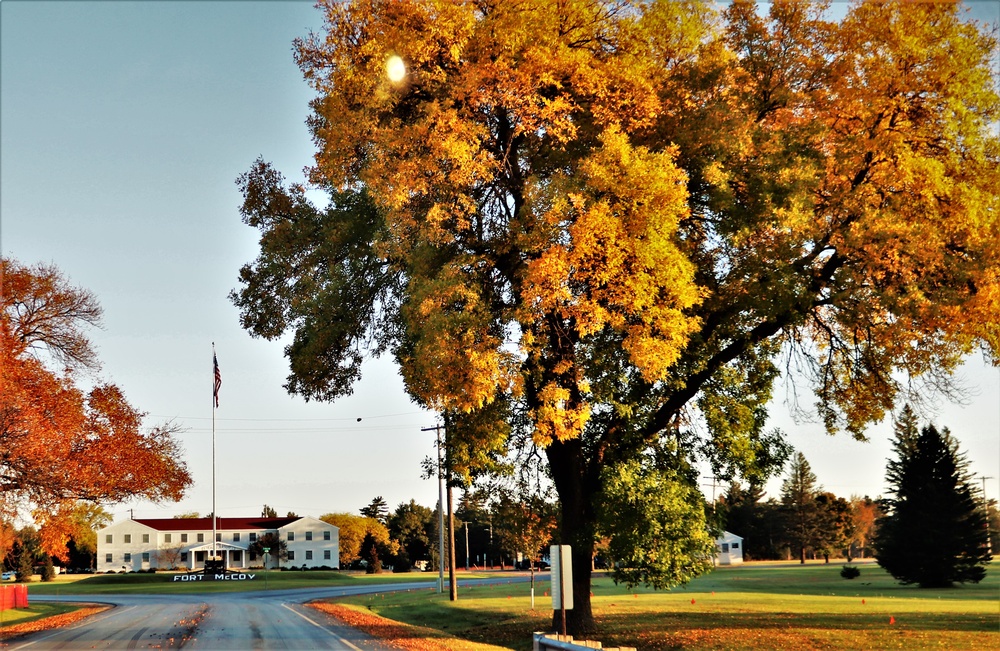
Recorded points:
(437, 429)
(715, 557)
(466, 523)
(986, 510)
(452, 583)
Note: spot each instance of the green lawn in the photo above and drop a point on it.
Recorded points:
(163, 583)
(751, 607)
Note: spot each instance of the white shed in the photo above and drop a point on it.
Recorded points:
(729, 549)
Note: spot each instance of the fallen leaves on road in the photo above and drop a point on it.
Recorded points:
(404, 636)
(14, 630)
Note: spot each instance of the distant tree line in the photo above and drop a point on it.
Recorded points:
(934, 529)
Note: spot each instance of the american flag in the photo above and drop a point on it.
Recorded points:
(218, 379)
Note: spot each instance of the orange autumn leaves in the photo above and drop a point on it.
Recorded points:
(560, 180)
(61, 444)
(512, 217)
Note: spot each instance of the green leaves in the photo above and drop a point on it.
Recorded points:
(656, 523)
(318, 273)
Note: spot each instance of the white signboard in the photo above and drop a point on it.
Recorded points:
(562, 576)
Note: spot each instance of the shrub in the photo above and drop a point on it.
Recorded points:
(850, 572)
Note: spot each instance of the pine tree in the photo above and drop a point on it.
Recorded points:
(370, 553)
(798, 501)
(25, 563)
(48, 569)
(934, 533)
(377, 509)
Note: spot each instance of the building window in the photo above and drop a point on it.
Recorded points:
(184, 557)
(128, 538)
(145, 557)
(128, 557)
(253, 557)
(108, 539)
(725, 548)
(167, 537)
(218, 537)
(736, 545)
(326, 554)
(236, 537)
(309, 535)
(326, 535)
(291, 556)
(184, 537)
(107, 558)
(236, 555)
(201, 537)
(309, 555)
(253, 537)
(199, 557)
(291, 536)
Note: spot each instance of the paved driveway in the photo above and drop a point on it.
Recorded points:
(275, 619)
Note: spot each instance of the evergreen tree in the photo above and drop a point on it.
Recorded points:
(377, 509)
(370, 553)
(48, 569)
(25, 562)
(413, 526)
(836, 526)
(802, 513)
(934, 533)
(758, 521)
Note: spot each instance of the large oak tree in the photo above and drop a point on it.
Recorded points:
(60, 443)
(600, 229)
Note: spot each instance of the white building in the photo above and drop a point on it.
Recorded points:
(729, 549)
(166, 543)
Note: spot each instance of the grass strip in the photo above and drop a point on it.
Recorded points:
(405, 636)
(756, 608)
(41, 617)
(163, 582)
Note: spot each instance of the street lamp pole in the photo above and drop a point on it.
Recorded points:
(266, 550)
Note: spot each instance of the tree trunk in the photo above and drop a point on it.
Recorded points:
(577, 529)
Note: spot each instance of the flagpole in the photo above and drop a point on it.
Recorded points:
(215, 404)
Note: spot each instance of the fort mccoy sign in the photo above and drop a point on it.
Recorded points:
(219, 576)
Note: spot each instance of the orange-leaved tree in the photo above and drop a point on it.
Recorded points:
(597, 230)
(59, 443)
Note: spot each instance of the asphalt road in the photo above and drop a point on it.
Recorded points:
(275, 619)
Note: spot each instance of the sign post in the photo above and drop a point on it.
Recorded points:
(562, 580)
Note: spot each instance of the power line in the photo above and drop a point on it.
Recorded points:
(409, 413)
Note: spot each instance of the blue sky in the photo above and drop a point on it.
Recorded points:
(123, 126)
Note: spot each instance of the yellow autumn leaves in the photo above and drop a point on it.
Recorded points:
(534, 166)
(613, 259)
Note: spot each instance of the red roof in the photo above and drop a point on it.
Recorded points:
(222, 524)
